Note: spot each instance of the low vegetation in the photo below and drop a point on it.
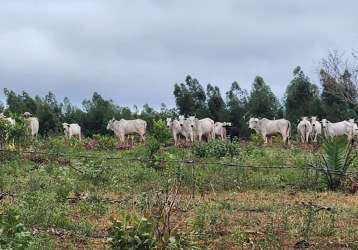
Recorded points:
(233, 195)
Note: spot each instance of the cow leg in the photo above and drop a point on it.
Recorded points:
(175, 136)
(265, 138)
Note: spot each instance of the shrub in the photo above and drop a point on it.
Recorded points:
(132, 232)
(13, 234)
(10, 133)
(337, 157)
(152, 146)
(256, 139)
(160, 132)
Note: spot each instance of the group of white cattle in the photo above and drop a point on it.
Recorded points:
(191, 128)
(308, 128)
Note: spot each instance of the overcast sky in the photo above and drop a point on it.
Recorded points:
(134, 51)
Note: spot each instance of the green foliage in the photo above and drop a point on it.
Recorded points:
(216, 104)
(152, 146)
(160, 131)
(98, 112)
(97, 171)
(335, 161)
(236, 107)
(262, 102)
(216, 148)
(103, 142)
(302, 97)
(13, 234)
(131, 232)
(5, 128)
(190, 97)
(338, 77)
(256, 139)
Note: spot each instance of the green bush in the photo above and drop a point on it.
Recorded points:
(256, 139)
(335, 161)
(216, 148)
(161, 132)
(17, 133)
(132, 232)
(13, 234)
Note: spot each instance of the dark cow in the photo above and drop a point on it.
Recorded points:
(232, 132)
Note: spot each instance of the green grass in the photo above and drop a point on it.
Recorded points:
(219, 206)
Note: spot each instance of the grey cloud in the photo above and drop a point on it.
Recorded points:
(134, 51)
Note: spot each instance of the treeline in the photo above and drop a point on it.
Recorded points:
(336, 100)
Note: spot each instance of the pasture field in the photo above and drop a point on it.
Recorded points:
(88, 195)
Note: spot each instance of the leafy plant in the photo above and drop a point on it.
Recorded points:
(13, 234)
(160, 131)
(152, 146)
(256, 139)
(335, 161)
(131, 232)
(216, 148)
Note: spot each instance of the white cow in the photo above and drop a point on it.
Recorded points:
(267, 128)
(175, 129)
(220, 129)
(123, 127)
(72, 130)
(355, 129)
(187, 128)
(316, 128)
(203, 127)
(304, 128)
(331, 129)
(33, 125)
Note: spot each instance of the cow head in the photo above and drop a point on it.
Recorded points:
(169, 122)
(191, 121)
(304, 118)
(110, 125)
(254, 123)
(181, 120)
(325, 123)
(351, 121)
(314, 120)
(65, 125)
